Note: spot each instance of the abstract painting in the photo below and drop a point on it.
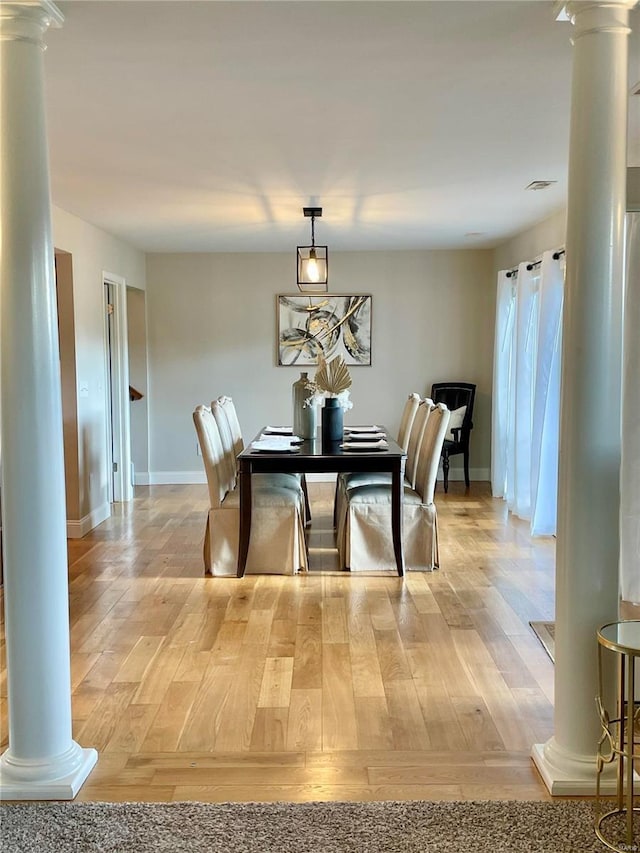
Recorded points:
(323, 326)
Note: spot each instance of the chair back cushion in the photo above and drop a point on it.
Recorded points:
(455, 422)
(212, 454)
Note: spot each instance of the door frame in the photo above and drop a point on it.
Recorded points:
(119, 379)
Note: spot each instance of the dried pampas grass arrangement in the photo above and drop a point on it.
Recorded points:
(333, 377)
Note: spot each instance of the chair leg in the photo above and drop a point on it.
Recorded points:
(445, 470)
(466, 469)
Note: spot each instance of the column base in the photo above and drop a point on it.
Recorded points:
(567, 774)
(20, 781)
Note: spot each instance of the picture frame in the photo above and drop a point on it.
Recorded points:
(323, 325)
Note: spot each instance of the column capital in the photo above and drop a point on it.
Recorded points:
(28, 20)
(605, 16)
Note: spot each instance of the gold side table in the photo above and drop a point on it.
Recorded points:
(620, 740)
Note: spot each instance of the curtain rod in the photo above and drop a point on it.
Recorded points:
(514, 272)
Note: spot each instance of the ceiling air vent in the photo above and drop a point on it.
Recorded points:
(540, 185)
(635, 89)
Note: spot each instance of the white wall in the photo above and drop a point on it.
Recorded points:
(93, 252)
(137, 339)
(212, 325)
(633, 188)
(68, 380)
(530, 244)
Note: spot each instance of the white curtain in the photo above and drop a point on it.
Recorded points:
(526, 392)
(526, 333)
(630, 471)
(510, 436)
(546, 401)
(502, 359)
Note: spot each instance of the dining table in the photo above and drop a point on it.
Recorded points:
(313, 456)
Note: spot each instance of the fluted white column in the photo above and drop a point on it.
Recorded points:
(589, 469)
(42, 760)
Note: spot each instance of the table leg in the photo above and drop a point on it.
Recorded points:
(397, 493)
(622, 695)
(629, 661)
(244, 479)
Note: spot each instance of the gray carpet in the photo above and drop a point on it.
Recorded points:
(560, 826)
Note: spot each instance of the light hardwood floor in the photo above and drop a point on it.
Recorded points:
(325, 686)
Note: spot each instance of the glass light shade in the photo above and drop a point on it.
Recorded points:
(312, 268)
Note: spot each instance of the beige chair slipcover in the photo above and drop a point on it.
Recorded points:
(406, 421)
(346, 480)
(352, 480)
(382, 478)
(229, 466)
(226, 417)
(364, 538)
(229, 408)
(277, 544)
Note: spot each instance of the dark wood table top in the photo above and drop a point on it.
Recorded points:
(313, 455)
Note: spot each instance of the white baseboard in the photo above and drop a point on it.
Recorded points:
(185, 478)
(77, 528)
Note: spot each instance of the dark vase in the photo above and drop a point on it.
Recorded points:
(331, 420)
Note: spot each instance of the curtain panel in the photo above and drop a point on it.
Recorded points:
(630, 470)
(519, 462)
(526, 391)
(545, 436)
(502, 359)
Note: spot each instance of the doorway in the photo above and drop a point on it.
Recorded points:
(118, 431)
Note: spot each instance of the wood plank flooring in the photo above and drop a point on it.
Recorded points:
(324, 686)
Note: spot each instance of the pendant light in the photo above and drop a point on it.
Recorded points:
(313, 261)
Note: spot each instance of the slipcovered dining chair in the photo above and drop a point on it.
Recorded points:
(405, 436)
(352, 480)
(277, 544)
(355, 480)
(365, 542)
(458, 397)
(224, 410)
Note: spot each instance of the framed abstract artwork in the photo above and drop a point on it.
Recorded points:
(323, 326)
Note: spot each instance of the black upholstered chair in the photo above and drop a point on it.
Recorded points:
(455, 395)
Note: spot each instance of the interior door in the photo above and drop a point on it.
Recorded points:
(109, 337)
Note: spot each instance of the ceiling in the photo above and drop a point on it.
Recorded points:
(207, 126)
